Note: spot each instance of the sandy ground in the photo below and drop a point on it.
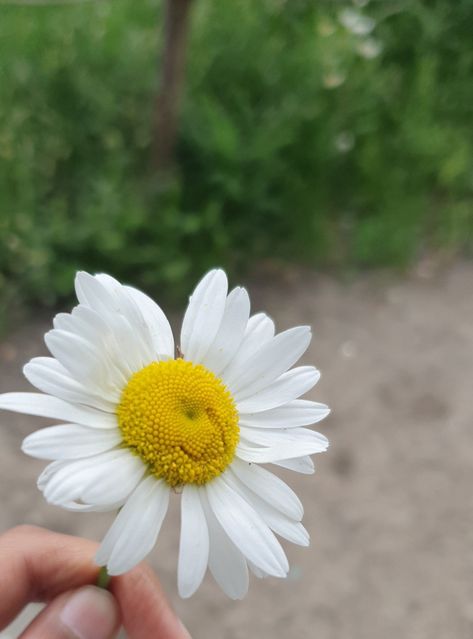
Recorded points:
(390, 509)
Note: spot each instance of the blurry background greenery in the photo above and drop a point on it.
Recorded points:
(334, 133)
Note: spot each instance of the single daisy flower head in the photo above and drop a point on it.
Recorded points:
(144, 418)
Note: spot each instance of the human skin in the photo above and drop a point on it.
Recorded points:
(37, 565)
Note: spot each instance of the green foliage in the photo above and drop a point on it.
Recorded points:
(308, 133)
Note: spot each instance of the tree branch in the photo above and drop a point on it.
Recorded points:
(172, 83)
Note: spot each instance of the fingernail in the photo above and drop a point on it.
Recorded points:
(90, 613)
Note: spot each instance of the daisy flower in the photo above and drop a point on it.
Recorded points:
(144, 418)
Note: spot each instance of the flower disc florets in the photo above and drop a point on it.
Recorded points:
(181, 420)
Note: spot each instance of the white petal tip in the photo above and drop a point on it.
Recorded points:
(304, 540)
(25, 369)
(11, 401)
(321, 413)
(82, 275)
(26, 447)
(116, 571)
(282, 574)
(48, 336)
(238, 597)
(215, 273)
(306, 330)
(101, 562)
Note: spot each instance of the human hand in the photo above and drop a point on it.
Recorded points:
(39, 565)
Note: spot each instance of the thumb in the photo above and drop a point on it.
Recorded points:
(87, 613)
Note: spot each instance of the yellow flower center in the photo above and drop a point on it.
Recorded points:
(181, 420)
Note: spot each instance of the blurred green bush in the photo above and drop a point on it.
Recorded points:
(333, 133)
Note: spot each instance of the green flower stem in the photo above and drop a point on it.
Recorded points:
(103, 579)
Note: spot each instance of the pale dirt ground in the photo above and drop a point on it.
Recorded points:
(390, 508)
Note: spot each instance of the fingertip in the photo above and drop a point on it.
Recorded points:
(91, 613)
(86, 613)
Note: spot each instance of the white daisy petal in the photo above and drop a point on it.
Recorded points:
(114, 304)
(260, 574)
(83, 361)
(299, 412)
(72, 323)
(127, 306)
(265, 455)
(48, 472)
(50, 377)
(286, 528)
(204, 315)
(113, 286)
(292, 531)
(115, 336)
(231, 331)
(270, 488)
(115, 485)
(284, 389)
(303, 465)
(136, 527)
(101, 479)
(282, 525)
(114, 344)
(259, 330)
(103, 294)
(91, 292)
(120, 342)
(51, 470)
(46, 406)
(69, 441)
(55, 467)
(122, 302)
(75, 323)
(194, 543)
(226, 563)
(130, 353)
(73, 506)
(270, 361)
(315, 442)
(158, 324)
(246, 528)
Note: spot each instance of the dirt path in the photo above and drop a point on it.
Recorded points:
(390, 509)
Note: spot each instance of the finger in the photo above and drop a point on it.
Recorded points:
(150, 615)
(38, 565)
(87, 613)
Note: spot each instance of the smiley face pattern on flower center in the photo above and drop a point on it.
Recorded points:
(181, 420)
